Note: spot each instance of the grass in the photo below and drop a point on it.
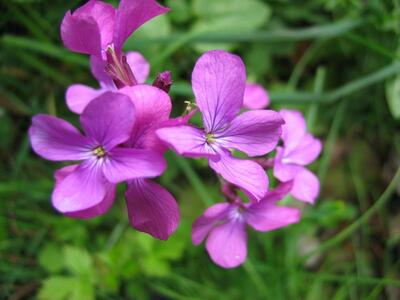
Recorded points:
(330, 59)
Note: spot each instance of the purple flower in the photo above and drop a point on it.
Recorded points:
(151, 208)
(97, 26)
(255, 97)
(107, 123)
(219, 80)
(299, 149)
(224, 225)
(79, 95)
(99, 30)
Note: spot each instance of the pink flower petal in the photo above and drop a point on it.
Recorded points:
(124, 163)
(294, 129)
(56, 139)
(203, 224)
(151, 208)
(83, 188)
(246, 174)
(91, 212)
(108, 119)
(187, 141)
(270, 217)
(97, 67)
(78, 96)
(226, 244)
(139, 66)
(255, 97)
(284, 171)
(218, 81)
(89, 29)
(279, 192)
(254, 132)
(152, 108)
(305, 186)
(306, 151)
(131, 14)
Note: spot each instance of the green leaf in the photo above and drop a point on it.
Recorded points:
(67, 288)
(228, 16)
(49, 258)
(393, 96)
(78, 261)
(56, 288)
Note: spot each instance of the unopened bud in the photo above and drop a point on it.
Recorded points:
(163, 81)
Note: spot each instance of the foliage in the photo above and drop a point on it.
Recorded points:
(335, 60)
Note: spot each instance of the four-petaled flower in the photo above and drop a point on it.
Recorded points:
(218, 81)
(299, 149)
(107, 123)
(224, 225)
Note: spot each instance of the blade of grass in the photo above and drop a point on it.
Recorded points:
(177, 41)
(330, 142)
(348, 231)
(362, 280)
(255, 277)
(43, 68)
(278, 35)
(303, 62)
(313, 108)
(372, 45)
(301, 97)
(26, 21)
(47, 49)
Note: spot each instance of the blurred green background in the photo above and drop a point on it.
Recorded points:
(335, 60)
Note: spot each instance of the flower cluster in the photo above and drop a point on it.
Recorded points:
(127, 128)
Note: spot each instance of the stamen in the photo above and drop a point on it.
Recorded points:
(99, 151)
(118, 69)
(209, 138)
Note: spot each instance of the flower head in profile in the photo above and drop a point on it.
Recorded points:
(218, 82)
(99, 30)
(299, 149)
(223, 225)
(79, 95)
(107, 122)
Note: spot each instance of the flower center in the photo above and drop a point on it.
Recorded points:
(99, 152)
(210, 138)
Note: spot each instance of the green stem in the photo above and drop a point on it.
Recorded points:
(194, 179)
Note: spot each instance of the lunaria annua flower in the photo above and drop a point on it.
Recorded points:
(218, 82)
(223, 225)
(99, 30)
(88, 189)
(299, 149)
